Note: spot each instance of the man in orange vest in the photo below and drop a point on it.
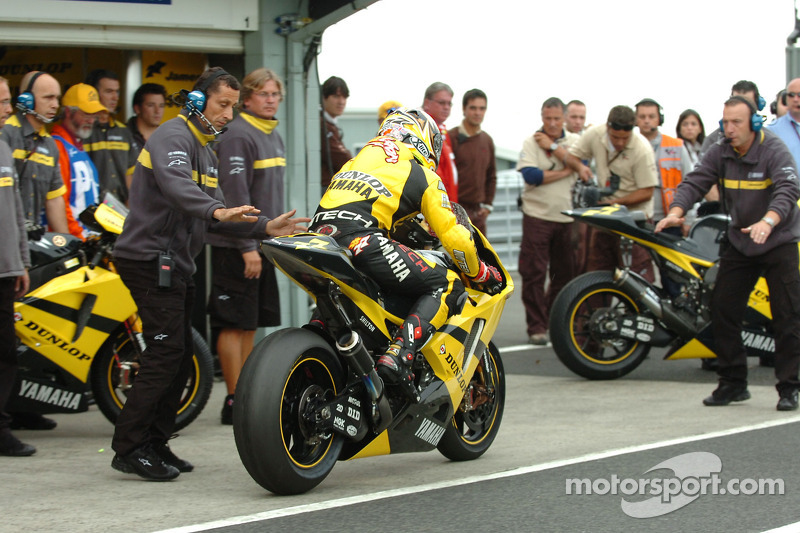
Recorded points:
(672, 158)
(672, 163)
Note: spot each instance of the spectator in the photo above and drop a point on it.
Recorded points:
(760, 195)
(149, 101)
(81, 109)
(386, 108)
(616, 149)
(252, 166)
(778, 106)
(672, 158)
(334, 153)
(111, 145)
(473, 149)
(576, 123)
(691, 130)
(746, 89)
(786, 126)
(576, 117)
(35, 152)
(173, 201)
(546, 233)
(438, 103)
(14, 282)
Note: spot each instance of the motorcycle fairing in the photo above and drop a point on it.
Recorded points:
(616, 218)
(38, 392)
(57, 324)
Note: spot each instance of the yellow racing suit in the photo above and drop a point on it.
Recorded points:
(372, 194)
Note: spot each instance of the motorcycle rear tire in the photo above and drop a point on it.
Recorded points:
(470, 433)
(110, 398)
(278, 451)
(576, 333)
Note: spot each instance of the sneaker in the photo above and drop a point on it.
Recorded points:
(164, 451)
(144, 462)
(393, 368)
(31, 421)
(227, 411)
(538, 339)
(788, 401)
(727, 393)
(13, 447)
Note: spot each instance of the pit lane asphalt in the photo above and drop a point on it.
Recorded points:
(556, 425)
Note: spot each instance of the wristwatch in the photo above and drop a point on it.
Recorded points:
(769, 221)
(554, 147)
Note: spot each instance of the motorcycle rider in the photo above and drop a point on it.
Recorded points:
(388, 182)
(759, 190)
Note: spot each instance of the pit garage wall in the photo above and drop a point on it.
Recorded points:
(72, 37)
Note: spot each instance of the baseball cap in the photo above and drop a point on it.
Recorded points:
(84, 97)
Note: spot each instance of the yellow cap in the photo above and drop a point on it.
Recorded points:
(84, 97)
(383, 110)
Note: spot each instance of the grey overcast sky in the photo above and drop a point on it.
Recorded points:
(682, 53)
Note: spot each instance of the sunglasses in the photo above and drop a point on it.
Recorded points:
(623, 127)
(792, 95)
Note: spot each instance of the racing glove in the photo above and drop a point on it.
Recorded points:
(490, 278)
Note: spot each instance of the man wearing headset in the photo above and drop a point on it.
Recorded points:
(746, 89)
(174, 200)
(14, 281)
(35, 151)
(759, 190)
(786, 127)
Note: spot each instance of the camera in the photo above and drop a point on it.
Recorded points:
(589, 194)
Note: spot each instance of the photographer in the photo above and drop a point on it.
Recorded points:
(616, 149)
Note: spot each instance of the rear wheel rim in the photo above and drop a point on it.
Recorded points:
(589, 336)
(309, 379)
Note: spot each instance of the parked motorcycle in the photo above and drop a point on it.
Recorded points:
(602, 324)
(308, 397)
(79, 336)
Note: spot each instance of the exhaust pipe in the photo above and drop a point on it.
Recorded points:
(640, 291)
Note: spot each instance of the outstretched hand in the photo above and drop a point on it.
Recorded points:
(669, 221)
(243, 213)
(286, 225)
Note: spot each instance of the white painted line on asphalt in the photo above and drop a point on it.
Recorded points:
(521, 348)
(362, 498)
(788, 528)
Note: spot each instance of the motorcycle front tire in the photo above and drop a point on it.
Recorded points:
(578, 330)
(471, 432)
(283, 376)
(110, 397)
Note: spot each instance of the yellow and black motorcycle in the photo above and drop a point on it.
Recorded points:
(602, 324)
(78, 331)
(308, 397)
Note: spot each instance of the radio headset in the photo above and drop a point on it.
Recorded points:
(197, 100)
(651, 102)
(26, 102)
(756, 120)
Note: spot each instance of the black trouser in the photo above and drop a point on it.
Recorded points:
(399, 270)
(735, 280)
(8, 350)
(149, 412)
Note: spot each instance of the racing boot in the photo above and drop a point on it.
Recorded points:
(395, 367)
